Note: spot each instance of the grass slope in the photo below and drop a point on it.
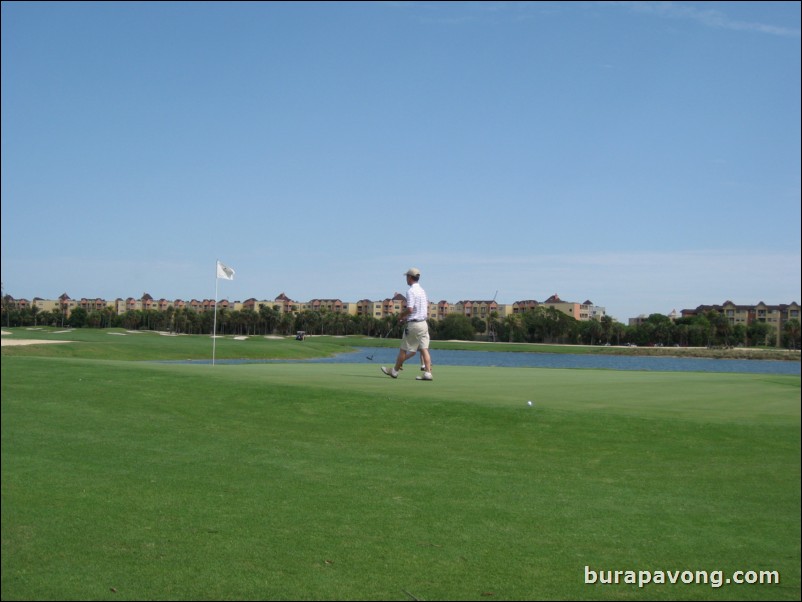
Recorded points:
(134, 480)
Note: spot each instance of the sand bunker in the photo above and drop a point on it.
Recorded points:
(6, 342)
(12, 342)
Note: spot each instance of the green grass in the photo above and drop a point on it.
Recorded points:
(133, 480)
(149, 345)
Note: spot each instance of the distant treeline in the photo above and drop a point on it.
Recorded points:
(537, 325)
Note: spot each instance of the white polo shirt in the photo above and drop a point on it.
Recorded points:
(418, 302)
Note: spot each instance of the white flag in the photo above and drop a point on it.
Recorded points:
(223, 271)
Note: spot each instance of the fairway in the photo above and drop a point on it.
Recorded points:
(137, 480)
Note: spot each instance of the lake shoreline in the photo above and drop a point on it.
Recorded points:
(737, 353)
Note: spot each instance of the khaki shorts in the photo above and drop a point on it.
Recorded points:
(416, 336)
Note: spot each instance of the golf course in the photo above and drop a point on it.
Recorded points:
(127, 475)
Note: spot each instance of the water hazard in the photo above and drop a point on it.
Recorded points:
(512, 359)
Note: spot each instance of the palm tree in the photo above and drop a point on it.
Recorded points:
(34, 312)
(514, 326)
(618, 330)
(606, 323)
(269, 317)
(286, 323)
(594, 330)
(792, 333)
(492, 325)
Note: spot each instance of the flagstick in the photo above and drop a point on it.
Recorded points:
(214, 328)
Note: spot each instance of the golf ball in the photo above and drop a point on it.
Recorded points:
(529, 403)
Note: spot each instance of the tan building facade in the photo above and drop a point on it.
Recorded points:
(482, 309)
(774, 315)
(579, 311)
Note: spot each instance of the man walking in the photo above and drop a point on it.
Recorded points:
(416, 333)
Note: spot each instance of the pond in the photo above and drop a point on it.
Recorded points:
(511, 359)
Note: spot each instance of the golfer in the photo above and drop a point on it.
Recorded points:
(416, 333)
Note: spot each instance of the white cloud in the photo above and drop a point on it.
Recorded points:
(709, 17)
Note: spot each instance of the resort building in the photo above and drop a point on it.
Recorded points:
(774, 315)
(482, 309)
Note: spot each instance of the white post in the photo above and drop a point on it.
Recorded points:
(214, 327)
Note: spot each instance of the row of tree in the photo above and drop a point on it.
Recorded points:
(548, 325)
(537, 325)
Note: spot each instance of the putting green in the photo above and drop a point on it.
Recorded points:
(143, 480)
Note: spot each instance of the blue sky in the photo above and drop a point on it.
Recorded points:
(643, 156)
